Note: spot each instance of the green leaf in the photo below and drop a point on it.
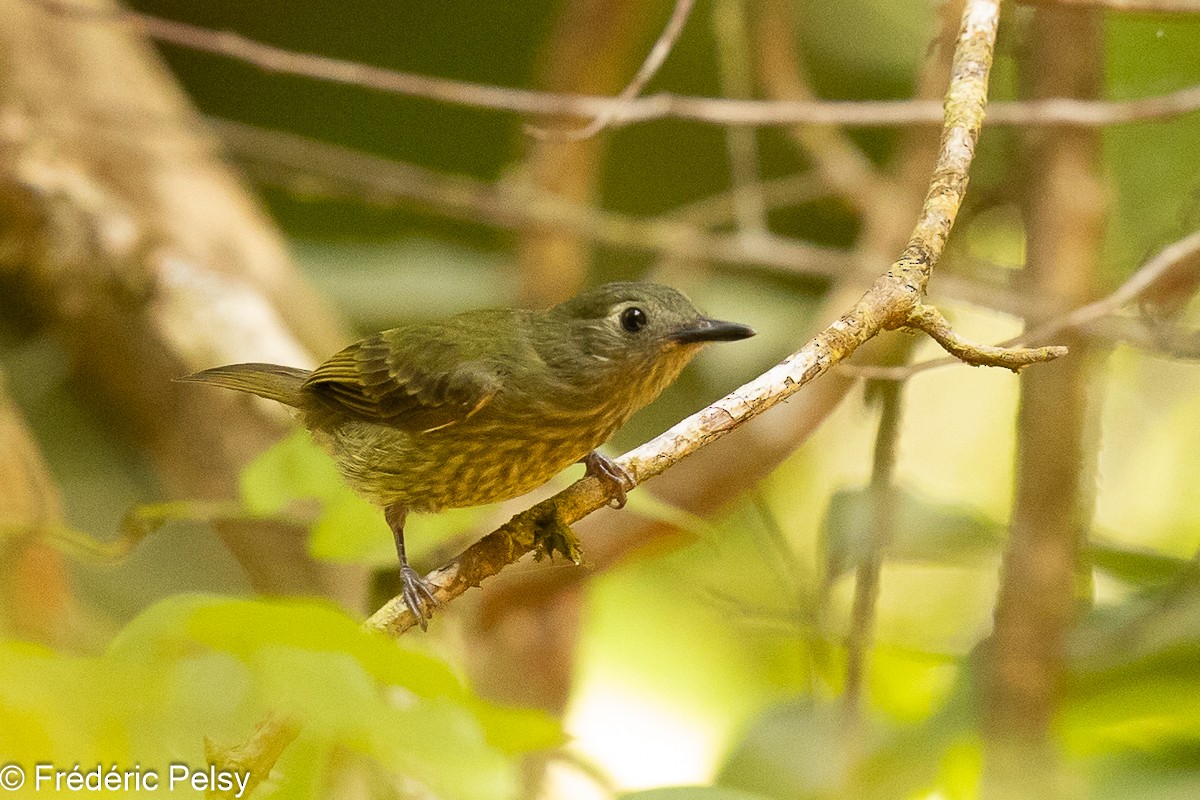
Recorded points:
(194, 666)
(348, 529)
(925, 532)
(352, 531)
(941, 534)
(294, 469)
(798, 750)
(1138, 566)
(1133, 682)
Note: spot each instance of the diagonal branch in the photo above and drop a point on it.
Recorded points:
(657, 55)
(889, 304)
(716, 474)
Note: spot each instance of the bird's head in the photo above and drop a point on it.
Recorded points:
(639, 330)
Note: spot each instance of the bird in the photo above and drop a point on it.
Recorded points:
(488, 404)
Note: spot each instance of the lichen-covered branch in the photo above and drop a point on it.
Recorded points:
(889, 304)
(715, 475)
(964, 105)
(1168, 278)
(932, 322)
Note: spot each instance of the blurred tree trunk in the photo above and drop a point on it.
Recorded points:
(1041, 591)
(124, 229)
(594, 49)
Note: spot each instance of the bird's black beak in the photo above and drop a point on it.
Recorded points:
(711, 330)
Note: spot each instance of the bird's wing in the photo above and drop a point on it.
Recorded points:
(407, 378)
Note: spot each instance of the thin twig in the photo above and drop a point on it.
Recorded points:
(324, 169)
(1140, 6)
(311, 167)
(1160, 268)
(870, 564)
(1064, 112)
(930, 320)
(658, 54)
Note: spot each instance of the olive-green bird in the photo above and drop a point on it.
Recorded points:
(487, 405)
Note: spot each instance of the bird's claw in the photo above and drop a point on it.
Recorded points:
(418, 595)
(619, 481)
(552, 534)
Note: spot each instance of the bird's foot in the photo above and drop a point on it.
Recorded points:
(418, 595)
(551, 534)
(617, 478)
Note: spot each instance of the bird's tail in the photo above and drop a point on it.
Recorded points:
(271, 381)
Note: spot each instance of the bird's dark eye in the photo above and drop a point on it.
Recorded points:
(633, 319)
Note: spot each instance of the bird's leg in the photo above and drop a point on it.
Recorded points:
(610, 472)
(417, 593)
(551, 533)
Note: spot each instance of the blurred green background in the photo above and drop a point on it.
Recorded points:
(715, 659)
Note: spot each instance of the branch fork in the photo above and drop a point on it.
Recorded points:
(895, 301)
(928, 319)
